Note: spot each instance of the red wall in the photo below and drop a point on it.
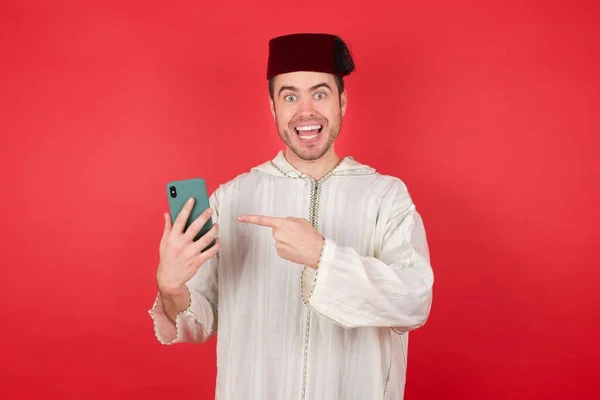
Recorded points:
(487, 109)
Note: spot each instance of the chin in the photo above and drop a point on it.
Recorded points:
(307, 146)
(308, 154)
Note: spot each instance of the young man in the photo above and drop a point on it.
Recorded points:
(321, 265)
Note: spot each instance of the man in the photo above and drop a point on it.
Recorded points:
(321, 265)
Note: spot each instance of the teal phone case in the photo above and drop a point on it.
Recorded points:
(178, 192)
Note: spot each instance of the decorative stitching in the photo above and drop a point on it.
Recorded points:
(307, 301)
(187, 310)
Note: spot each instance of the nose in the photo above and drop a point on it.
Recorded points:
(306, 107)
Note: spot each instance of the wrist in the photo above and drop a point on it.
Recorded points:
(314, 264)
(172, 291)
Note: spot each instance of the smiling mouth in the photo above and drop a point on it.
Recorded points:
(308, 132)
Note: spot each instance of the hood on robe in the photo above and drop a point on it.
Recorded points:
(279, 165)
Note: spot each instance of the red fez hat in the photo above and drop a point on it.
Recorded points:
(317, 52)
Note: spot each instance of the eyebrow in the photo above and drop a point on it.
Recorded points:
(295, 89)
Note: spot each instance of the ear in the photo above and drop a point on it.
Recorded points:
(343, 101)
(272, 104)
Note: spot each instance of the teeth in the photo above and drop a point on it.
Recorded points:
(308, 137)
(308, 128)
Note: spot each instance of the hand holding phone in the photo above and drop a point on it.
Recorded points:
(189, 237)
(178, 192)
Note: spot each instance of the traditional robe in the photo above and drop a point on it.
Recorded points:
(288, 332)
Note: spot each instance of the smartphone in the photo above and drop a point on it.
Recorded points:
(178, 192)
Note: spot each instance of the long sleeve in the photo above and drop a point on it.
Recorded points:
(393, 289)
(199, 321)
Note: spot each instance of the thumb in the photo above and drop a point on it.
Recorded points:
(168, 227)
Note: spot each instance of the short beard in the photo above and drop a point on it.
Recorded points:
(333, 131)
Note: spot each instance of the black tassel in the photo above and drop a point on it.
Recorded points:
(343, 57)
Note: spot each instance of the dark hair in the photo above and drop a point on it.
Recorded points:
(338, 80)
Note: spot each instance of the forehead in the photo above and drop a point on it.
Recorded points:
(304, 80)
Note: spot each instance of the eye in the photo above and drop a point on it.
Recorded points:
(289, 98)
(320, 95)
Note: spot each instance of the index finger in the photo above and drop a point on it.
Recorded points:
(183, 216)
(262, 220)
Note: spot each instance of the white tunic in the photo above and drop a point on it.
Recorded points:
(285, 332)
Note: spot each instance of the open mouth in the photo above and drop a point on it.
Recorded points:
(308, 132)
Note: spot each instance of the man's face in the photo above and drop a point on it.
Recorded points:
(308, 112)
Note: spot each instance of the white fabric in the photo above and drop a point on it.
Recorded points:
(373, 285)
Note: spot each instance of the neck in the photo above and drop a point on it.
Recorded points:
(316, 169)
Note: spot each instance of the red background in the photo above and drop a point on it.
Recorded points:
(487, 109)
